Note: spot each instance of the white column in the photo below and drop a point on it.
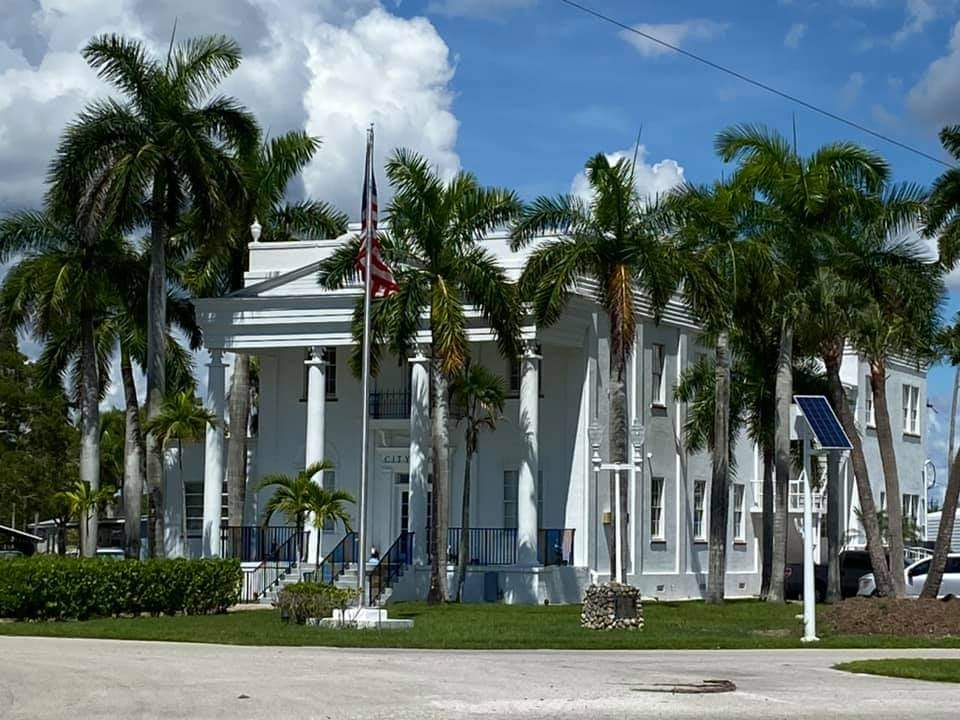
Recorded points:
(527, 520)
(419, 453)
(213, 455)
(316, 417)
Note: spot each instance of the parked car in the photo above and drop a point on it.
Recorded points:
(853, 564)
(111, 554)
(10, 554)
(916, 576)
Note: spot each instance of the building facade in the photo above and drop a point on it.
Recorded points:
(537, 505)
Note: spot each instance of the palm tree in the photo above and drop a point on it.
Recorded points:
(58, 288)
(615, 239)
(220, 256)
(162, 149)
(942, 221)
(439, 264)
(291, 496)
(950, 346)
(478, 398)
(182, 418)
(713, 235)
(810, 195)
(84, 502)
(327, 505)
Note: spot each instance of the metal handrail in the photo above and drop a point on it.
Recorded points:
(390, 566)
(336, 561)
(257, 581)
(486, 546)
(254, 543)
(390, 404)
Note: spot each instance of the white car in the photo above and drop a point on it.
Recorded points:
(916, 576)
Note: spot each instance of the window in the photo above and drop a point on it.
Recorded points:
(329, 483)
(193, 503)
(330, 355)
(868, 404)
(657, 389)
(699, 510)
(510, 478)
(883, 500)
(911, 409)
(920, 569)
(911, 508)
(513, 376)
(739, 528)
(656, 508)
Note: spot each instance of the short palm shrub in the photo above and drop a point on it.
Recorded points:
(305, 600)
(56, 588)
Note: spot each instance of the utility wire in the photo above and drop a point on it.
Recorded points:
(756, 83)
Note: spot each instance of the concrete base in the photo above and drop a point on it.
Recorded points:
(362, 618)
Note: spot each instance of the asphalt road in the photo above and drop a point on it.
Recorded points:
(55, 678)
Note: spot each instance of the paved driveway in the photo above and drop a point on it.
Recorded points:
(55, 678)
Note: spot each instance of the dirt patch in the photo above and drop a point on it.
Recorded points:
(884, 616)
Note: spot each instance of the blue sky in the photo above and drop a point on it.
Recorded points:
(519, 91)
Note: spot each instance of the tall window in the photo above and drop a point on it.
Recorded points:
(911, 409)
(657, 386)
(911, 508)
(330, 378)
(656, 508)
(739, 526)
(868, 403)
(510, 498)
(513, 376)
(329, 483)
(699, 510)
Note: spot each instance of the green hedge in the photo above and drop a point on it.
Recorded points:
(304, 600)
(57, 588)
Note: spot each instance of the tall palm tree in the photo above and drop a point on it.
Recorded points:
(950, 346)
(164, 148)
(434, 248)
(942, 220)
(291, 496)
(714, 236)
(84, 502)
(220, 259)
(59, 287)
(478, 397)
(182, 418)
(615, 240)
(810, 194)
(325, 505)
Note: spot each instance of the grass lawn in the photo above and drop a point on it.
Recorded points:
(913, 668)
(690, 625)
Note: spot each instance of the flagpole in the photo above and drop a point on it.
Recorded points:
(365, 435)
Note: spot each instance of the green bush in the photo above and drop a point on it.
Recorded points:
(57, 588)
(304, 600)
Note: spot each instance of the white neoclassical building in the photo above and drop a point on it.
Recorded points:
(537, 504)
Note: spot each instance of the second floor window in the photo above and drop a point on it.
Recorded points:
(658, 391)
(911, 409)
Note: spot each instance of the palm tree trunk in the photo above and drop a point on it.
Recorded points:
(134, 460)
(237, 446)
(720, 479)
(784, 397)
(951, 439)
(463, 547)
(948, 515)
(888, 459)
(618, 450)
(156, 365)
(767, 547)
(868, 508)
(89, 430)
(833, 594)
(440, 431)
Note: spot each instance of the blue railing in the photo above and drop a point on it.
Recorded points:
(275, 565)
(486, 546)
(390, 566)
(390, 404)
(254, 543)
(336, 561)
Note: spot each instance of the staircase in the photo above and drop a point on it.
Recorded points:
(302, 571)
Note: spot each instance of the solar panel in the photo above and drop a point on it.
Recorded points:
(823, 421)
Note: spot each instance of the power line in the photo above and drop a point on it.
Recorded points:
(755, 83)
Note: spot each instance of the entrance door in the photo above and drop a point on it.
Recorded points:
(401, 504)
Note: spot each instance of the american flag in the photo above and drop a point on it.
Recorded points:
(382, 282)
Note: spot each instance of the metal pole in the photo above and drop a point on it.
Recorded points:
(364, 437)
(618, 543)
(809, 588)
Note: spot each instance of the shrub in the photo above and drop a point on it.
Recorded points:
(57, 588)
(304, 600)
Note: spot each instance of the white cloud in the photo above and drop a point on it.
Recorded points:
(486, 9)
(651, 180)
(919, 14)
(936, 96)
(795, 35)
(676, 34)
(850, 92)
